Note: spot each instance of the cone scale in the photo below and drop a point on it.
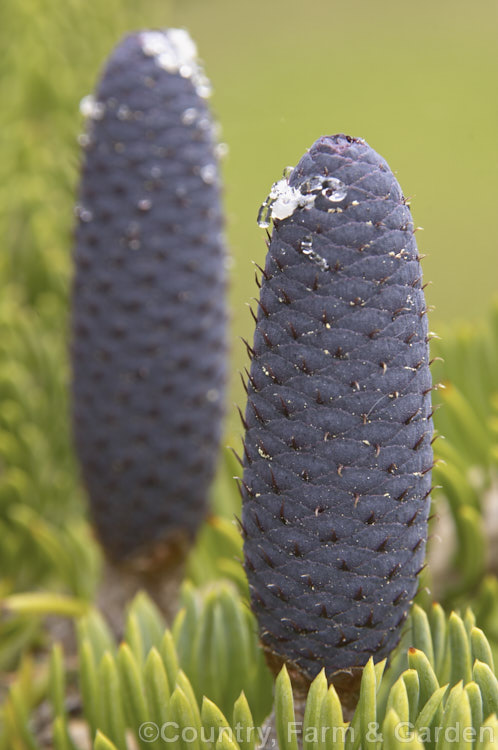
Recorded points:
(338, 458)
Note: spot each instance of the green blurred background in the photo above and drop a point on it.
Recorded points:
(418, 81)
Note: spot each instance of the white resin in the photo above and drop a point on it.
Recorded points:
(208, 174)
(91, 108)
(189, 116)
(284, 199)
(174, 51)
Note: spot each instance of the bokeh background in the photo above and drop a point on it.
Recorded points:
(418, 81)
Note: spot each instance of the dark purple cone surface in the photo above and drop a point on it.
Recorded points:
(338, 456)
(148, 308)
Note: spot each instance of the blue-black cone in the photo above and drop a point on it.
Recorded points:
(338, 456)
(148, 306)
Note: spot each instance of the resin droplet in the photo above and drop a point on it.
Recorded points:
(84, 140)
(205, 123)
(284, 198)
(334, 190)
(208, 174)
(91, 108)
(189, 116)
(203, 85)
(83, 214)
(124, 112)
(307, 245)
(221, 150)
(174, 51)
(313, 184)
(264, 214)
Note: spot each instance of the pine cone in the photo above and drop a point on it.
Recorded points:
(148, 306)
(338, 458)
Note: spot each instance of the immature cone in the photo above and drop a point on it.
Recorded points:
(148, 308)
(338, 456)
